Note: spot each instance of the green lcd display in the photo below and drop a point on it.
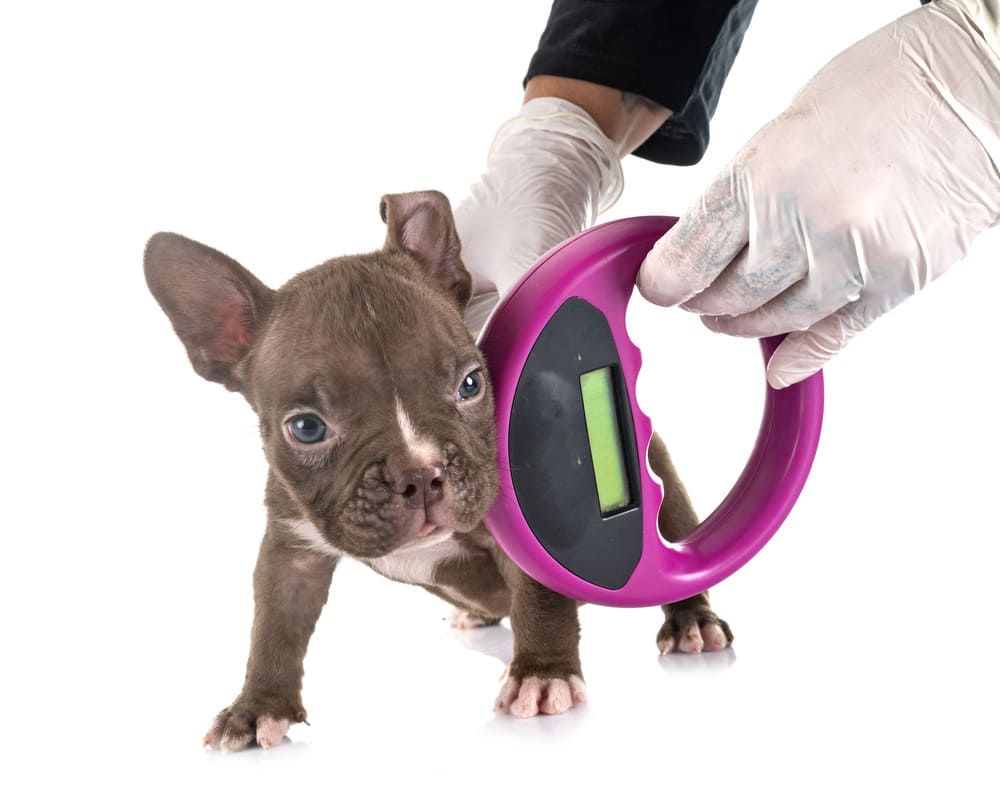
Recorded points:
(600, 408)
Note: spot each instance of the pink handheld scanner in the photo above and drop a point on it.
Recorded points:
(577, 508)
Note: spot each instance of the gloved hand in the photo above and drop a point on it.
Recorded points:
(550, 172)
(874, 182)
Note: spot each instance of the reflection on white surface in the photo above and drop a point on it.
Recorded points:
(495, 641)
(704, 662)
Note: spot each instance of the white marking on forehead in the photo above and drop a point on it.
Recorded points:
(311, 537)
(423, 450)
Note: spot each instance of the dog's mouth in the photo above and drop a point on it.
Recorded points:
(427, 529)
(385, 513)
(371, 528)
(416, 524)
(424, 524)
(428, 535)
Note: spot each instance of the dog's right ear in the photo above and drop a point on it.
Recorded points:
(422, 225)
(215, 305)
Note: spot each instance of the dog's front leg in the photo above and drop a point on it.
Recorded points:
(544, 674)
(290, 587)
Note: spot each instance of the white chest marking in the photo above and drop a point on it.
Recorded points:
(416, 564)
(423, 450)
(413, 564)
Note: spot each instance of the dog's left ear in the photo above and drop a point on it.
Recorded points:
(421, 224)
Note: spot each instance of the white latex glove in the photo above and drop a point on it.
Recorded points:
(550, 172)
(875, 181)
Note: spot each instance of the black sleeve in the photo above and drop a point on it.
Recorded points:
(677, 54)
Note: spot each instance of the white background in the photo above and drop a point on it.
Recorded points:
(866, 642)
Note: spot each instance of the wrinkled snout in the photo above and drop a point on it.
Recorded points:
(427, 474)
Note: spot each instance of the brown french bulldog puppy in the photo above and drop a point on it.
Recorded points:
(376, 415)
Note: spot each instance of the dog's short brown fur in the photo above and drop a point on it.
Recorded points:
(376, 416)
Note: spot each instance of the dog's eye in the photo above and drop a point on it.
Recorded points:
(308, 429)
(471, 385)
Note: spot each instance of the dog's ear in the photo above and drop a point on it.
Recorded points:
(421, 223)
(215, 305)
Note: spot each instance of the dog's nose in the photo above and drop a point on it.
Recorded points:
(420, 486)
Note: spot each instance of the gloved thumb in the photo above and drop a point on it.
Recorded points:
(805, 352)
(703, 242)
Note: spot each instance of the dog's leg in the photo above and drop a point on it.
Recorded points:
(290, 588)
(462, 619)
(689, 626)
(544, 675)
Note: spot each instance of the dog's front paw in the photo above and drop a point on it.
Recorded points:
(253, 719)
(691, 626)
(527, 696)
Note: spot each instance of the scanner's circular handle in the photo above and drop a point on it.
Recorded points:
(600, 266)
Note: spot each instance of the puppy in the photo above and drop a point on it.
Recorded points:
(376, 415)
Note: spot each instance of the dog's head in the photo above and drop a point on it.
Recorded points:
(374, 402)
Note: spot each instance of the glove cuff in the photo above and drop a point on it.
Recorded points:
(549, 116)
(550, 172)
(955, 45)
(983, 14)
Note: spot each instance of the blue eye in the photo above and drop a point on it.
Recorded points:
(308, 429)
(471, 385)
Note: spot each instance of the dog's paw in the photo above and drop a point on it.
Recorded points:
(467, 620)
(691, 629)
(262, 721)
(532, 695)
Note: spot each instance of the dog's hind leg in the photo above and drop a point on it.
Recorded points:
(471, 581)
(689, 626)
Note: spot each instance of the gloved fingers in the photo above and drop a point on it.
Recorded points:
(729, 285)
(804, 353)
(702, 243)
(749, 283)
(780, 256)
(800, 306)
